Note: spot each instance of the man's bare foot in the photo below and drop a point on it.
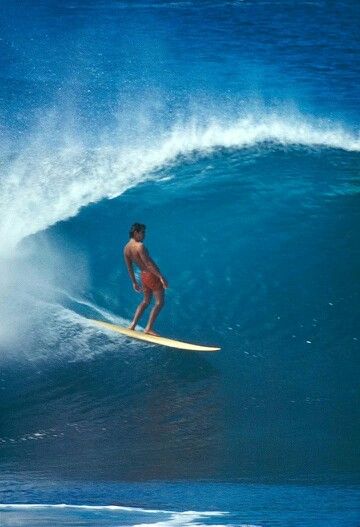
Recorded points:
(132, 327)
(151, 332)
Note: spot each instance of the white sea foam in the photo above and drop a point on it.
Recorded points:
(43, 185)
(34, 323)
(96, 309)
(29, 301)
(171, 518)
(70, 336)
(188, 519)
(80, 507)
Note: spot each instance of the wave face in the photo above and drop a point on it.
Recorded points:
(241, 156)
(259, 247)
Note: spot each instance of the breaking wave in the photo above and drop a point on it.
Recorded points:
(43, 185)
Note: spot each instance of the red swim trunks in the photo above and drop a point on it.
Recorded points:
(150, 280)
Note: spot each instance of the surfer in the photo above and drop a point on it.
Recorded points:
(152, 281)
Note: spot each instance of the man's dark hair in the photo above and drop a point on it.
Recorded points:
(136, 227)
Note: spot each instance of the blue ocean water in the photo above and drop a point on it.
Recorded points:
(231, 129)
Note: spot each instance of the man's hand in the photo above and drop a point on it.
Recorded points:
(164, 282)
(137, 287)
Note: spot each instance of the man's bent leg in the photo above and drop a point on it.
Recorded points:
(141, 307)
(159, 297)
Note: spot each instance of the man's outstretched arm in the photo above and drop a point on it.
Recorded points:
(130, 268)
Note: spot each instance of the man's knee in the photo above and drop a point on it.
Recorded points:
(145, 303)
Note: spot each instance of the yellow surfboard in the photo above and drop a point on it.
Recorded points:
(162, 341)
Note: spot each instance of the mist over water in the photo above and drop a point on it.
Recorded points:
(231, 130)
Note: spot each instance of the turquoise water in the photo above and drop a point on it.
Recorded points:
(231, 130)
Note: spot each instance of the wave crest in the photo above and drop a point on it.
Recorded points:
(43, 185)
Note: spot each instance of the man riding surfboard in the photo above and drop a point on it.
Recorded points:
(152, 281)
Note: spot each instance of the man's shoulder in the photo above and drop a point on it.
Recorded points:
(138, 245)
(133, 245)
(128, 246)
